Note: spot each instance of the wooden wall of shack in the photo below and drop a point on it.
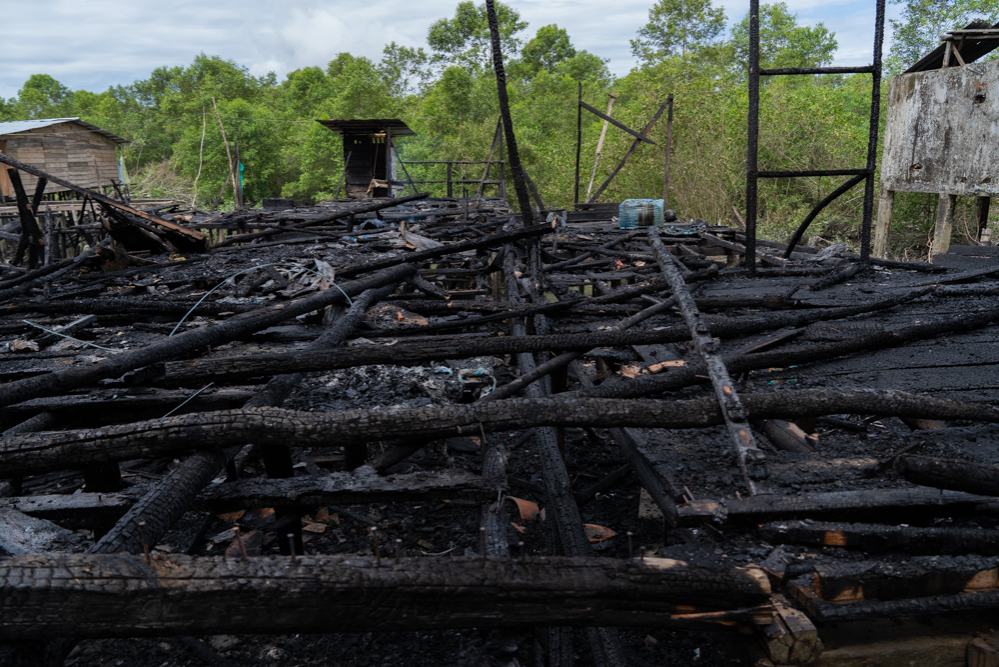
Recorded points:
(66, 150)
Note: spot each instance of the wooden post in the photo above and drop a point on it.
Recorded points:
(450, 188)
(336, 195)
(886, 204)
(579, 140)
(30, 232)
(238, 174)
(600, 143)
(944, 226)
(982, 218)
(489, 161)
(669, 148)
(502, 161)
(227, 153)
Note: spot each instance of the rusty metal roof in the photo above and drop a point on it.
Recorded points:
(369, 126)
(18, 126)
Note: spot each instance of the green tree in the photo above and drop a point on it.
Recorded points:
(677, 27)
(784, 43)
(41, 96)
(549, 47)
(405, 69)
(464, 39)
(917, 31)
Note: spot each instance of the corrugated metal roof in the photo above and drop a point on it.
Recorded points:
(369, 126)
(18, 126)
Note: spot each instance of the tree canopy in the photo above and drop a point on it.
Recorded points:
(446, 92)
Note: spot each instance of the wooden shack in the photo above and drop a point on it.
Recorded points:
(369, 154)
(69, 148)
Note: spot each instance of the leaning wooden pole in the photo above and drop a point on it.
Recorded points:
(579, 143)
(519, 182)
(232, 165)
(600, 143)
(669, 149)
(751, 458)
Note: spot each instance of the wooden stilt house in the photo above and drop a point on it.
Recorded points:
(69, 148)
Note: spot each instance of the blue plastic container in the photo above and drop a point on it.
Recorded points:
(637, 213)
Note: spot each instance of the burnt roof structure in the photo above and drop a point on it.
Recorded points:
(368, 126)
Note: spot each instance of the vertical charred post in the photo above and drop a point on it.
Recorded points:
(519, 182)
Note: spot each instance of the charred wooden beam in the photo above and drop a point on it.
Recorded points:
(958, 475)
(318, 220)
(197, 240)
(61, 381)
(447, 249)
(301, 493)
(126, 596)
(38, 452)
(890, 504)
(236, 368)
(751, 458)
(88, 410)
(694, 373)
(127, 306)
(875, 538)
(832, 612)
(516, 168)
(166, 502)
(346, 488)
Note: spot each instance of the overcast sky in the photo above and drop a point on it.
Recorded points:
(95, 44)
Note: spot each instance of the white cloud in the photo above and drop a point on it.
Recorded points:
(114, 42)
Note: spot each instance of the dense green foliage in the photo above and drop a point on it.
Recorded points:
(447, 93)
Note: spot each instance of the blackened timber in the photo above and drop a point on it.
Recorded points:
(167, 501)
(694, 373)
(631, 149)
(31, 234)
(447, 249)
(197, 239)
(751, 458)
(318, 220)
(346, 488)
(121, 306)
(31, 453)
(958, 475)
(72, 506)
(616, 123)
(832, 612)
(234, 368)
(874, 538)
(119, 364)
(516, 168)
(621, 294)
(304, 493)
(885, 504)
(57, 595)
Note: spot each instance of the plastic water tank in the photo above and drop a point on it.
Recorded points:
(636, 213)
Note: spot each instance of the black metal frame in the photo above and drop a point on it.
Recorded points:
(450, 180)
(752, 149)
